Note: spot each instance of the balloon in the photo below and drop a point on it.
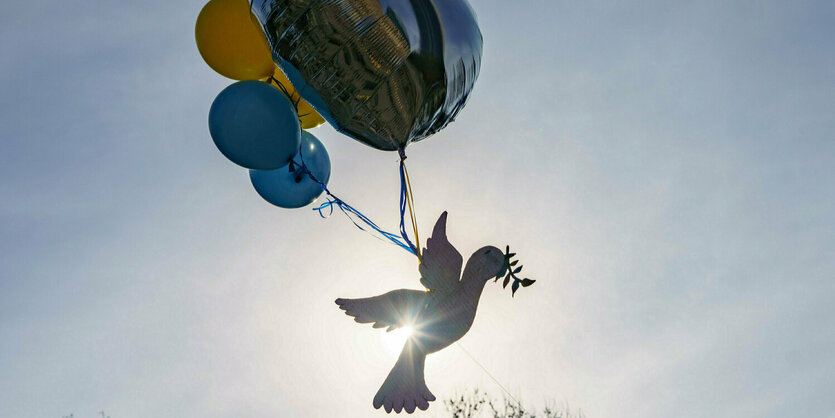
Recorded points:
(294, 189)
(231, 42)
(254, 125)
(308, 117)
(386, 76)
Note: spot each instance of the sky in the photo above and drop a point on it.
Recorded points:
(665, 171)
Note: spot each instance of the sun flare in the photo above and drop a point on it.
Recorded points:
(394, 340)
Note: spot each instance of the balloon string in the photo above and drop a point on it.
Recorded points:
(356, 217)
(406, 199)
(403, 200)
(411, 203)
(295, 102)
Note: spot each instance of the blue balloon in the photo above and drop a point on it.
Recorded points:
(255, 125)
(291, 189)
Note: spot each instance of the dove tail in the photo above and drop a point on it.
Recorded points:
(404, 387)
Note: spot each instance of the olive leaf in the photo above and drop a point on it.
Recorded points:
(509, 272)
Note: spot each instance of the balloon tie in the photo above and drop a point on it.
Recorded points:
(356, 217)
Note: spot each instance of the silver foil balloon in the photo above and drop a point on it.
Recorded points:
(385, 72)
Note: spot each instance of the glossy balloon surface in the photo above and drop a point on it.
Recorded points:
(255, 125)
(385, 72)
(231, 42)
(309, 118)
(294, 189)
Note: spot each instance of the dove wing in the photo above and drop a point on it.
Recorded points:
(393, 309)
(440, 267)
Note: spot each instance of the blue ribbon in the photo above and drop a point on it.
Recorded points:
(354, 215)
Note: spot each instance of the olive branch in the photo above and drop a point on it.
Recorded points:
(509, 272)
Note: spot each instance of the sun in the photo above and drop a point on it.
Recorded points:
(394, 340)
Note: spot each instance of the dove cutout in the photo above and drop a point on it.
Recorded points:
(439, 316)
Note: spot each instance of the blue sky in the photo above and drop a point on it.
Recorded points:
(664, 170)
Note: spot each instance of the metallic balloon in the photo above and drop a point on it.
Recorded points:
(385, 72)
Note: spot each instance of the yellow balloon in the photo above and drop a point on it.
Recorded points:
(280, 80)
(308, 117)
(231, 42)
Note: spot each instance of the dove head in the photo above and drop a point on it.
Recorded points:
(485, 263)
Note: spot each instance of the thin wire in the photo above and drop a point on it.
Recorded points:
(485, 371)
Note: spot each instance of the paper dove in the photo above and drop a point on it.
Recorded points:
(439, 316)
